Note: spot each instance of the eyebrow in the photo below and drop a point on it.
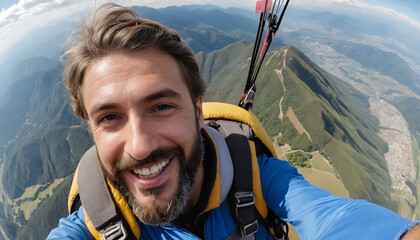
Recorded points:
(101, 107)
(162, 94)
(149, 98)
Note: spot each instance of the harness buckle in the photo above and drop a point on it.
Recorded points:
(115, 232)
(249, 229)
(244, 199)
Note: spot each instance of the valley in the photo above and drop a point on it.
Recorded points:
(368, 81)
(380, 68)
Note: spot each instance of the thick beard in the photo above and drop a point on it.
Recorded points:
(152, 214)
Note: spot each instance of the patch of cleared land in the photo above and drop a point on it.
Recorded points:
(296, 123)
(30, 201)
(320, 163)
(325, 181)
(29, 192)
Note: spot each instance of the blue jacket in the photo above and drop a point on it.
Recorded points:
(315, 213)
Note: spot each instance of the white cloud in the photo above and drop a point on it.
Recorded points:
(28, 8)
(19, 18)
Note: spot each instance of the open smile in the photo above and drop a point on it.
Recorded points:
(151, 175)
(152, 171)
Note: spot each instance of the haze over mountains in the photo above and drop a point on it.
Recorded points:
(330, 85)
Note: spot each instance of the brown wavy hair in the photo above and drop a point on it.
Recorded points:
(117, 29)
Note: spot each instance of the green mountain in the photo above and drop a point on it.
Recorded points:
(380, 59)
(17, 102)
(335, 117)
(204, 28)
(388, 63)
(48, 145)
(50, 141)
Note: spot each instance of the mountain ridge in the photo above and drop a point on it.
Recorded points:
(336, 117)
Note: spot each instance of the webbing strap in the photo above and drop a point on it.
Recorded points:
(99, 211)
(242, 197)
(96, 199)
(242, 183)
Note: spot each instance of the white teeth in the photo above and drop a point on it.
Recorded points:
(145, 171)
(152, 171)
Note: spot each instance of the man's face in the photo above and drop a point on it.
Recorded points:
(145, 129)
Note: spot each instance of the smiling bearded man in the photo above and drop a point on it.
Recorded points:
(143, 138)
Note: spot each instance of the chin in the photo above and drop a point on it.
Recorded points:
(156, 210)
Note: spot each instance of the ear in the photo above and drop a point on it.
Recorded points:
(199, 109)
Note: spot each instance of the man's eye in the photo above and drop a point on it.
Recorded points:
(162, 107)
(109, 117)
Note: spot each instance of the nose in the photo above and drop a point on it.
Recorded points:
(140, 138)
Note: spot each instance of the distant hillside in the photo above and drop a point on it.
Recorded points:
(17, 100)
(335, 116)
(205, 28)
(387, 63)
(50, 139)
(410, 108)
(380, 59)
(31, 53)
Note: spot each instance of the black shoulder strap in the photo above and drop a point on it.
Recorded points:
(97, 201)
(241, 197)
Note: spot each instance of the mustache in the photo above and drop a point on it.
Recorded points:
(155, 156)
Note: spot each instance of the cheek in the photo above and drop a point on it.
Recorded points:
(182, 134)
(109, 149)
(184, 128)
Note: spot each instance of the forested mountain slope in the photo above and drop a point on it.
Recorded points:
(335, 116)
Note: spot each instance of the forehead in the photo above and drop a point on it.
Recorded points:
(120, 66)
(132, 75)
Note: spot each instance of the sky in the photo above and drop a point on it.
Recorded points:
(17, 17)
